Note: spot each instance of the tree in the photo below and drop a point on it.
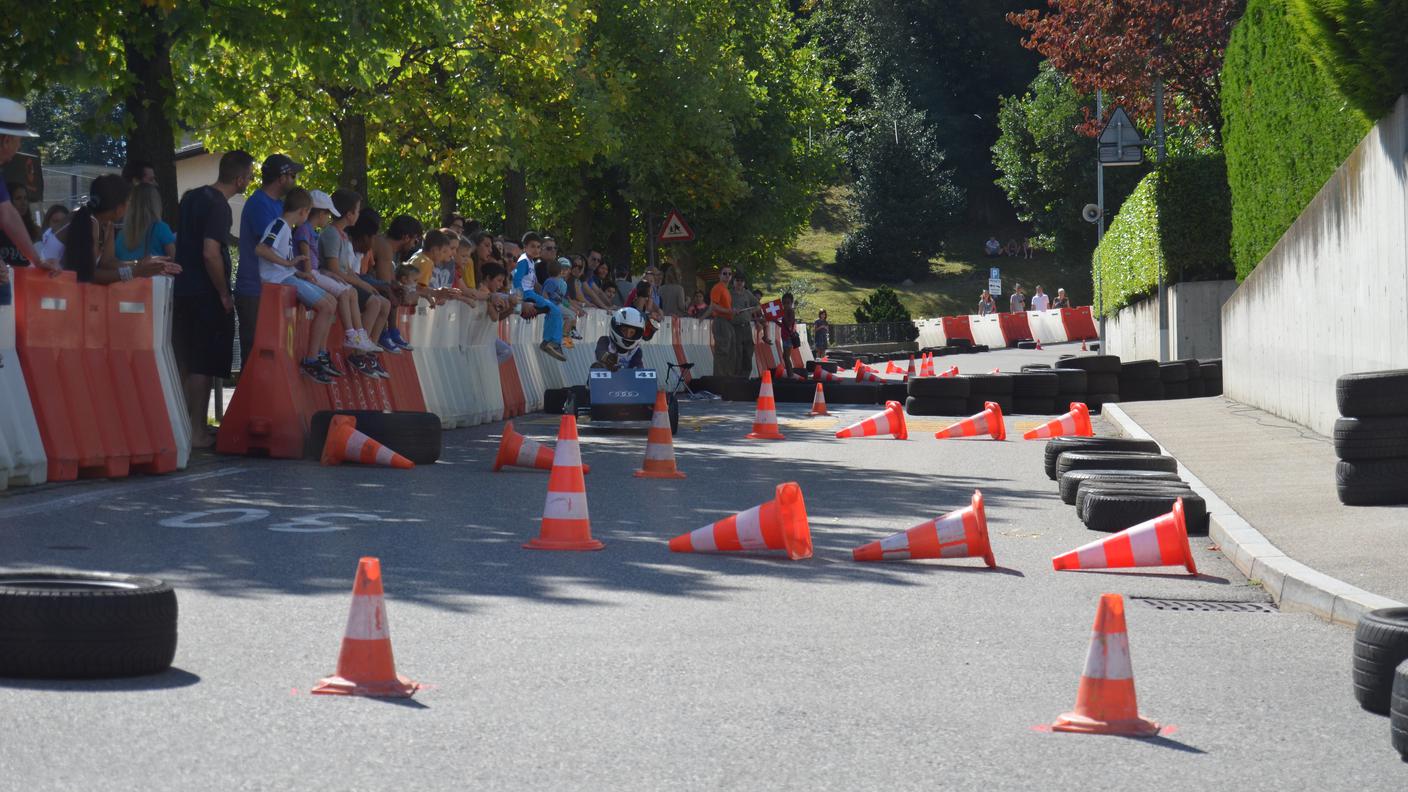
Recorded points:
(883, 305)
(75, 126)
(1125, 47)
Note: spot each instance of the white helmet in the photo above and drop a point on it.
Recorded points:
(627, 328)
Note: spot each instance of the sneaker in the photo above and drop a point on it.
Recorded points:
(313, 370)
(400, 342)
(350, 340)
(325, 362)
(386, 343)
(364, 342)
(576, 336)
(378, 370)
(362, 365)
(553, 349)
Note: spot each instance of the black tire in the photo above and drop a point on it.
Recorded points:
(1373, 393)
(1371, 438)
(1114, 512)
(673, 406)
(1042, 367)
(92, 625)
(920, 405)
(555, 400)
(1114, 460)
(1212, 387)
(1027, 405)
(1380, 645)
(1172, 390)
(1070, 483)
(1094, 364)
(413, 435)
(892, 391)
(977, 404)
(1059, 445)
(1102, 383)
(960, 343)
(988, 384)
(1210, 371)
(1141, 390)
(1197, 388)
(940, 387)
(1372, 482)
(1037, 385)
(1398, 711)
(793, 392)
(1071, 382)
(850, 393)
(1026, 345)
(1173, 372)
(1133, 486)
(1195, 370)
(1139, 370)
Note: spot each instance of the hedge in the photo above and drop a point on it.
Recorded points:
(1178, 219)
(1361, 45)
(1286, 129)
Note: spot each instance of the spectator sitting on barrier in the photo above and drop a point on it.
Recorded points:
(1040, 302)
(305, 236)
(597, 277)
(149, 235)
(821, 334)
(408, 288)
(698, 305)
(481, 252)
(363, 235)
(13, 126)
(279, 264)
(90, 248)
(343, 295)
(1060, 301)
(525, 282)
(339, 263)
(51, 243)
(278, 175)
(613, 297)
(555, 289)
(1017, 303)
(435, 267)
(985, 304)
(492, 289)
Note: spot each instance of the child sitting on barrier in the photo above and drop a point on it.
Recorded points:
(525, 282)
(410, 292)
(493, 285)
(279, 264)
(555, 289)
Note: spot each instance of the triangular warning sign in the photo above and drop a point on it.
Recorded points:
(675, 229)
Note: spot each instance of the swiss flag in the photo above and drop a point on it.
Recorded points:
(772, 309)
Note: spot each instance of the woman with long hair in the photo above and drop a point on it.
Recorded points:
(90, 245)
(143, 232)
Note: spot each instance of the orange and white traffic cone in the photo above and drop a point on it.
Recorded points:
(1105, 701)
(958, 534)
(989, 421)
(888, 421)
(819, 401)
(1075, 423)
(660, 445)
(952, 372)
(765, 417)
(822, 375)
(1038, 344)
(912, 372)
(891, 368)
(566, 524)
(516, 450)
(926, 368)
(366, 666)
(1162, 541)
(346, 444)
(995, 371)
(868, 375)
(779, 524)
(785, 373)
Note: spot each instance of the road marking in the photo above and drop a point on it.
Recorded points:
(107, 491)
(200, 519)
(315, 523)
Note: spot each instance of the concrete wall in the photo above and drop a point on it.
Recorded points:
(1332, 296)
(1194, 323)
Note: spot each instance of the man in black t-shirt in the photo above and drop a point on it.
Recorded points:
(203, 321)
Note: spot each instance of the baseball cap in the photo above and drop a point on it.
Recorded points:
(278, 165)
(322, 200)
(14, 120)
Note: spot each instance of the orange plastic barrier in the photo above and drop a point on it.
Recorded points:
(1079, 324)
(957, 327)
(101, 385)
(1014, 327)
(273, 406)
(134, 371)
(515, 402)
(677, 339)
(404, 383)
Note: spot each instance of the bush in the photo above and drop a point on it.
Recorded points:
(883, 305)
(1362, 45)
(1177, 221)
(1286, 128)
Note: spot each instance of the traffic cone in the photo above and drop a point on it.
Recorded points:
(988, 421)
(888, 421)
(779, 524)
(346, 444)
(1162, 541)
(958, 534)
(1105, 702)
(912, 371)
(926, 366)
(516, 450)
(660, 445)
(952, 372)
(784, 373)
(1038, 344)
(822, 375)
(891, 368)
(1075, 423)
(868, 375)
(819, 401)
(366, 667)
(765, 417)
(566, 525)
(995, 371)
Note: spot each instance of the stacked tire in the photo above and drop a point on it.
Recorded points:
(1380, 670)
(1102, 378)
(938, 395)
(1371, 438)
(1116, 483)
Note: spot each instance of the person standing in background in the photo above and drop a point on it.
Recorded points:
(985, 304)
(1017, 303)
(1040, 302)
(821, 334)
(1061, 301)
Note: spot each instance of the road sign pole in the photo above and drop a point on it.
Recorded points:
(650, 238)
(1100, 222)
(1163, 285)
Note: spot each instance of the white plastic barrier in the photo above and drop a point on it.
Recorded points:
(525, 336)
(987, 331)
(697, 343)
(806, 344)
(441, 367)
(172, 387)
(22, 458)
(931, 333)
(480, 351)
(1046, 326)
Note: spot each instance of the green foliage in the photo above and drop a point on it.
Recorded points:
(883, 305)
(1177, 221)
(1362, 45)
(1286, 129)
(75, 126)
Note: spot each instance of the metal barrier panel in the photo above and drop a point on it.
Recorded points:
(22, 459)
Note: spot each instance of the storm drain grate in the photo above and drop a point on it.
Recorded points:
(1207, 606)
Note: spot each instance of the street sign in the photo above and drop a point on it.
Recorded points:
(994, 281)
(1120, 141)
(675, 229)
(994, 273)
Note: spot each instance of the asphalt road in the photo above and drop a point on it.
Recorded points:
(635, 668)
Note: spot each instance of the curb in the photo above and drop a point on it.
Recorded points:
(1293, 586)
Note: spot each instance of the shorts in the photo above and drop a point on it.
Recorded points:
(202, 336)
(329, 284)
(308, 293)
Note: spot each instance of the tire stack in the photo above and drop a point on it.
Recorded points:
(1035, 392)
(1371, 439)
(1380, 668)
(984, 388)
(1116, 482)
(1210, 372)
(1141, 380)
(938, 396)
(1102, 378)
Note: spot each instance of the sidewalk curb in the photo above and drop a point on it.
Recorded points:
(1292, 585)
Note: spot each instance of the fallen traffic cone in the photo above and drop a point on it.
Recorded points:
(819, 401)
(765, 417)
(888, 421)
(952, 372)
(1105, 702)
(779, 524)
(660, 444)
(366, 667)
(566, 525)
(346, 444)
(995, 371)
(1162, 541)
(784, 373)
(1038, 343)
(868, 375)
(958, 534)
(1075, 423)
(822, 375)
(516, 450)
(891, 368)
(989, 421)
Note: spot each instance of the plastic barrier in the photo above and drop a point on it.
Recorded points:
(441, 368)
(931, 333)
(22, 459)
(986, 330)
(510, 385)
(697, 341)
(172, 388)
(1046, 326)
(274, 404)
(480, 350)
(957, 327)
(404, 383)
(1080, 325)
(1014, 328)
(123, 344)
(806, 347)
